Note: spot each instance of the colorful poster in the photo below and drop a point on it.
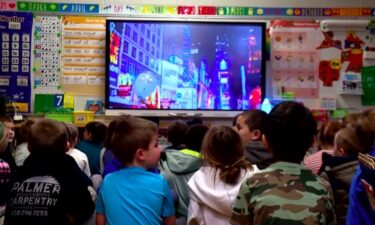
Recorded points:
(47, 49)
(294, 58)
(15, 47)
(95, 106)
(83, 55)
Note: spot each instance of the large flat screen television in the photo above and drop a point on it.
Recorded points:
(184, 67)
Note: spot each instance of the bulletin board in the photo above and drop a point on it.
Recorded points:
(294, 59)
(15, 54)
(342, 58)
(83, 55)
(67, 55)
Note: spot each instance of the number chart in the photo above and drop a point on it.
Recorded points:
(47, 50)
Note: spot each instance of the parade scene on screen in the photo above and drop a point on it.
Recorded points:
(184, 65)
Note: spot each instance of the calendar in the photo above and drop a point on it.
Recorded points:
(15, 50)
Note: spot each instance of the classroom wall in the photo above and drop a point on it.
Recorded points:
(260, 3)
(352, 102)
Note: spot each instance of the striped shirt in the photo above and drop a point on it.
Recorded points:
(314, 161)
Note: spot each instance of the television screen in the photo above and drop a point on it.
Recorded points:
(184, 66)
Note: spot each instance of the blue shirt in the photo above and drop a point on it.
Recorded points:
(133, 195)
(115, 165)
(359, 210)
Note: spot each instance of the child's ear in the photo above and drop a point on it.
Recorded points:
(140, 155)
(67, 146)
(256, 135)
(340, 152)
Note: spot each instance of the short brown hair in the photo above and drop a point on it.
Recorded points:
(97, 130)
(327, 132)
(24, 131)
(365, 129)
(350, 119)
(5, 118)
(176, 134)
(73, 132)
(347, 139)
(255, 119)
(110, 129)
(47, 136)
(222, 148)
(130, 134)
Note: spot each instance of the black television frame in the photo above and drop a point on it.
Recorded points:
(212, 113)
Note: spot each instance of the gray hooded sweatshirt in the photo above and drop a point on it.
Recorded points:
(177, 167)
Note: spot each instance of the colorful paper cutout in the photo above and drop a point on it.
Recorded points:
(355, 53)
(329, 71)
(329, 42)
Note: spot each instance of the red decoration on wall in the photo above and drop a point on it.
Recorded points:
(329, 42)
(329, 71)
(186, 10)
(206, 10)
(355, 53)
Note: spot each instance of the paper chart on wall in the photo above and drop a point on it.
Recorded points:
(294, 59)
(15, 39)
(83, 55)
(47, 51)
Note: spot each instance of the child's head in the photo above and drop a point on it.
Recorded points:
(250, 125)
(365, 129)
(24, 131)
(234, 120)
(73, 134)
(3, 137)
(108, 135)
(290, 131)
(195, 135)
(110, 129)
(222, 148)
(94, 132)
(176, 134)
(134, 142)
(347, 143)
(350, 119)
(9, 124)
(327, 134)
(48, 136)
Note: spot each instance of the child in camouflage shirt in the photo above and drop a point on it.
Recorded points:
(285, 192)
